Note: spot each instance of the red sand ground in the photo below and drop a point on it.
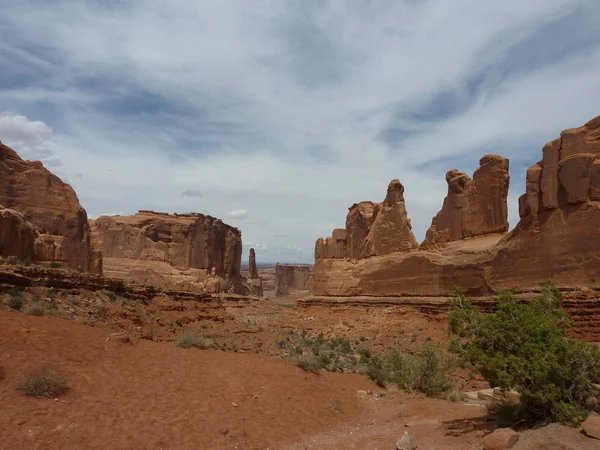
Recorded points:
(151, 395)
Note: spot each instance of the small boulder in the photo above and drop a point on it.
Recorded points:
(500, 439)
(406, 442)
(486, 394)
(591, 426)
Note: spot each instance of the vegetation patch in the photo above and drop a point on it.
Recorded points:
(16, 299)
(525, 346)
(34, 309)
(429, 371)
(46, 382)
(313, 353)
(189, 339)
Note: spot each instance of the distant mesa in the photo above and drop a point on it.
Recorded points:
(177, 251)
(293, 279)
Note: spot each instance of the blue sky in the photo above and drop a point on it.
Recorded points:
(276, 116)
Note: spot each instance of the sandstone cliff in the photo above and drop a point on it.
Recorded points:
(51, 207)
(558, 236)
(170, 250)
(290, 278)
(371, 229)
(473, 207)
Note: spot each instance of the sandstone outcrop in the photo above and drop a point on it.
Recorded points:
(372, 229)
(473, 207)
(17, 236)
(558, 236)
(254, 281)
(293, 278)
(52, 207)
(176, 251)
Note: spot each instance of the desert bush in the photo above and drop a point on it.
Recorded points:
(308, 364)
(189, 339)
(34, 309)
(428, 372)
(54, 265)
(525, 346)
(46, 382)
(333, 355)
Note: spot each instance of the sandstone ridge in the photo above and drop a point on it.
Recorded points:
(558, 236)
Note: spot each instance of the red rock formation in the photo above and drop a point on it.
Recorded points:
(17, 236)
(254, 281)
(170, 250)
(473, 207)
(371, 229)
(253, 272)
(293, 277)
(558, 236)
(51, 206)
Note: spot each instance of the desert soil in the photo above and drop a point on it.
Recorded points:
(148, 394)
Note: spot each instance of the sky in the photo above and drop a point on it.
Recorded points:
(276, 116)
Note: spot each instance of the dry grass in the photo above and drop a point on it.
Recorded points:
(46, 382)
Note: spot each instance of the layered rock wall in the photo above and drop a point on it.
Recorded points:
(293, 277)
(51, 207)
(558, 236)
(473, 207)
(170, 250)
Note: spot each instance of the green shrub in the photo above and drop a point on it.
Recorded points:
(54, 265)
(189, 339)
(428, 372)
(16, 300)
(525, 346)
(46, 382)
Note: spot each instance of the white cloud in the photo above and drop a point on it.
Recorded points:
(285, 108)
(238, 214)
(28, 137)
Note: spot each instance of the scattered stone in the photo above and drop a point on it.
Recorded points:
(234, 404)
(591, 426)
(500, 439)
(406, 442)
